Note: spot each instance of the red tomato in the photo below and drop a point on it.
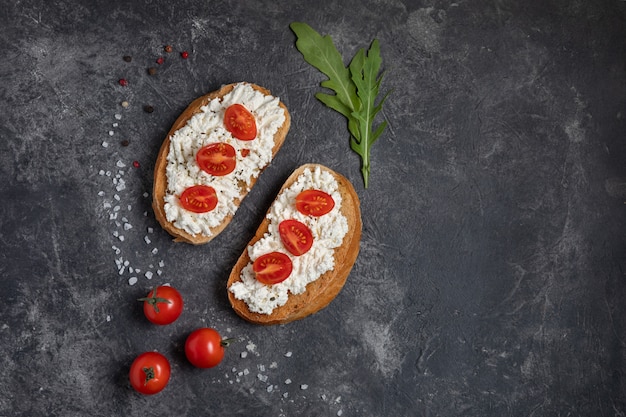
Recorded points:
(199, 199)
(314, 203)
(240, 122)
(204, 347)
(296, 236)
(149, 373)
(163, 305)
(272, 268)
(217, 159)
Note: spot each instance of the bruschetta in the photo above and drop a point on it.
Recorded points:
(303, 251)
(212, 157)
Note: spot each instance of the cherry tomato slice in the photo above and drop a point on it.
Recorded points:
(163, 305)
(199, 199)
(272, 268)
(217, 159)
(204, 347)
(240, 122)
(149, 373)
(296, 236)
(314, 203)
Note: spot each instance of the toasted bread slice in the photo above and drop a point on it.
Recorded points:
(323, 290)
(160, 187)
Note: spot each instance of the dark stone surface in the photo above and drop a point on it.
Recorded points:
(491, 275)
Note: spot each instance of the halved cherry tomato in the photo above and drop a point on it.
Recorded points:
(272, 268)
(296, 236)
(217, 159)
(204, 347)
(199, 199)
(240, 122)
(162, 305)
(149, 373)
(314, 203)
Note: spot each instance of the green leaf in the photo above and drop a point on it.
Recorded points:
(356, 87)
(320, 51)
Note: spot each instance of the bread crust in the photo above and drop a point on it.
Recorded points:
(322, 291)
(160, 175)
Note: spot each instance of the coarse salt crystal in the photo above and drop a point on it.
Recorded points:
(155, 251)
(149, 275)
(132, 280)
(111, 133)
(105, 144)
(147, 240)
(118, 116)
(304, 386)
(287, 381)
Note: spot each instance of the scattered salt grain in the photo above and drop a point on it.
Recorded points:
(288, 355)
(119, 116)
(287, 381)
(121, 238)
(120, 164)
(262, 378)
(101, 172)
(106, 205)
(105, 144)
(159, 272)
(115, 124)
(304, 386)
(150, 230)
(101, 193)
(128, 226)
(108, 318)
(149, 275)
(244, 354)
(117, 197)
(132, 280)
(155, 251)
(285, 394)
(270, 388)
(340, 412)
(147, 240)
(111, 133)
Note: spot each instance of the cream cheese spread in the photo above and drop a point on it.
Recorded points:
(328, 232)
(207, 127)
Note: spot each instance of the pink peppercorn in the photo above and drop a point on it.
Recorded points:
(184, 54)
(123, 82)
(136, 164)
(160, 60)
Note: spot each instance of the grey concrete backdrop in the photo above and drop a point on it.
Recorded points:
(491, 275)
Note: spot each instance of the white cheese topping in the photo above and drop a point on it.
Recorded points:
(328, 233)
(207, 127)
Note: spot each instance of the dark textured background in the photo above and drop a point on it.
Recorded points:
(491, 275)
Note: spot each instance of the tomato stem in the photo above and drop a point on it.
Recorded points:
(153, 300)
(149, 375)
(226, 342)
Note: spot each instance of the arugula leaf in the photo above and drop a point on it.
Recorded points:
(356, 87)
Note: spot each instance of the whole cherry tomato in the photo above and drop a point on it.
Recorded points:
(204, 347)
(149, 373)
(163, 305)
